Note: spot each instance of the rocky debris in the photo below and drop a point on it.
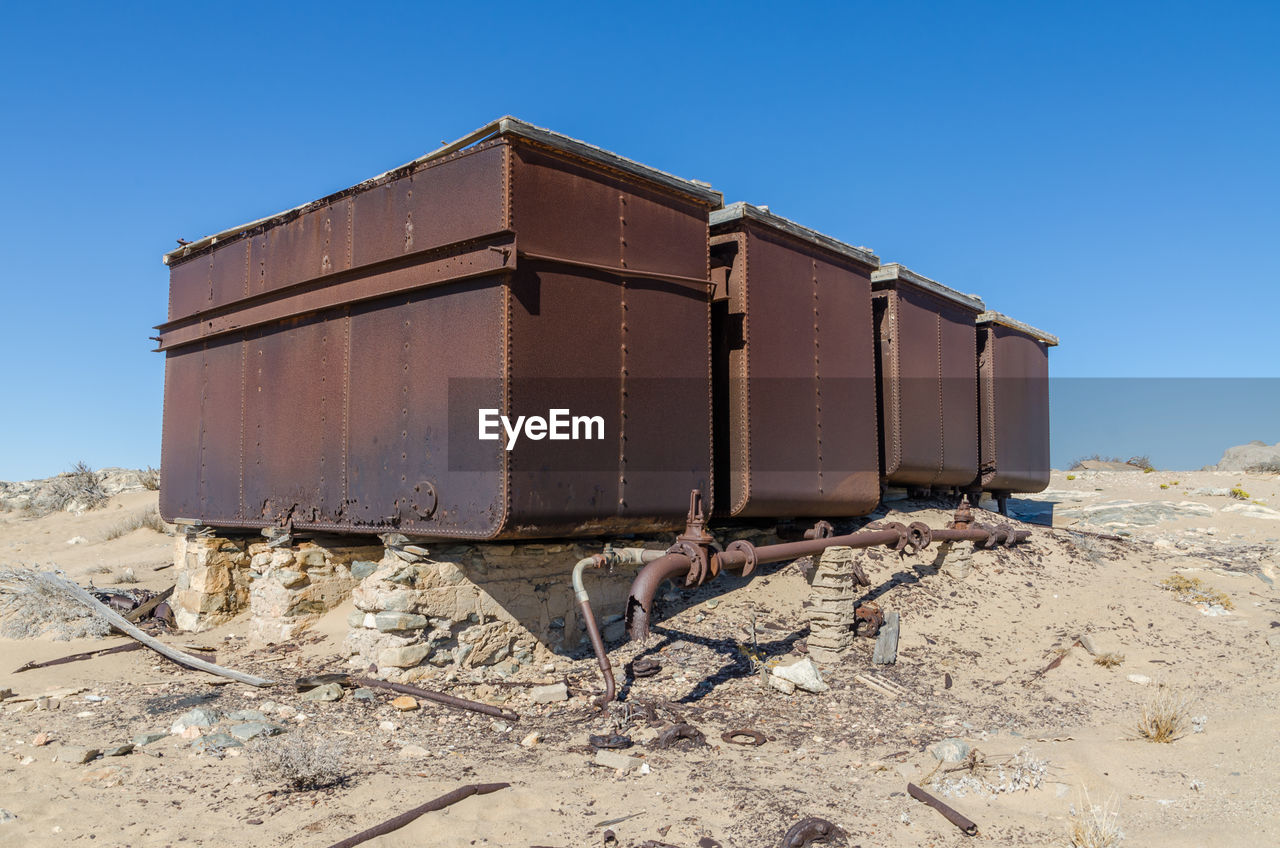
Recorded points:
(1250, 510)
(119, 750)
(1256, 454)
(549, 694)
(532, 739)
(215, 743)
(248, 715)
(42, 739)
(293, 585)
(363, 694)
(803, 674)
(414, 752)
(1212, 491)
(950, 750)
(52, 492)
(405, 703)
(76, 755)
(143, 739)
(1124, 513)
(783, 685)
(324, 692)
(1140, 679)
(254, 729)
(196, 718)
(621, 763)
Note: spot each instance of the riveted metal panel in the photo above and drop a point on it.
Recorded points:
(928, 385)
(801, 434)
(1014, 403)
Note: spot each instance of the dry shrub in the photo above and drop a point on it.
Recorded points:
(1095, 826)
(1109, 660)
(150, 478)
(149, 519)
(1164, 718)
(297, 761)
(81, 485)
(31, 607)
(1193, 590)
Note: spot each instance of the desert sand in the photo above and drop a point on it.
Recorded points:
(971, 667)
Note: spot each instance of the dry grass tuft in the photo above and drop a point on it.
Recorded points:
(1096, 826)
(31, 607)
(149, 519)
(1164, 718)
(81, 485)
(1238, 494)
(297, 761)
(150, 477)
(1193, 590)
(1109, 660)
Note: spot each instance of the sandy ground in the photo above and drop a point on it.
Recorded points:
(846, 754)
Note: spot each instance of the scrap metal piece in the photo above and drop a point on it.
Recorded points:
(615, 741)
(808, 831)
(744, 736)
(644, 667)
(674, 734)
(967, 827)
(394, 824)
(868, 619)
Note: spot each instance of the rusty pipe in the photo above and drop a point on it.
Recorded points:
(645, 586)
(795, 550)
(610, 557)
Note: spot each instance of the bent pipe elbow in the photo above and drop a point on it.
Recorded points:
(645, 586)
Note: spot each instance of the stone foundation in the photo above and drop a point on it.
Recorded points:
(212, 581)
(292, 587)
(477, 605)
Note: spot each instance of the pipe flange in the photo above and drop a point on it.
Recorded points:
(748, 551)
(697, 555)
(820, 530)
(744, 736)
(921, 535)
(904, 535)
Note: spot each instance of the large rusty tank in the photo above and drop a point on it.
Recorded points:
(328, 368)
(795, 369)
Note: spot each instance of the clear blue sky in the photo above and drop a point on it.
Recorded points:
(1108, 171)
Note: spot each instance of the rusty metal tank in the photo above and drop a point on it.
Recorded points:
(795, 369)
(927, 379)
(1013, 402)
(326, 368)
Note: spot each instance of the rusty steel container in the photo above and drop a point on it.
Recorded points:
(326, 367)
(1013, 403)
(927, 379)
(795, 369)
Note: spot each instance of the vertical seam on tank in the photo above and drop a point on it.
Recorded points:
(504, 344)
(711, 401)
(895, 307)
(745, 445)
(817, 369)
(346, 405)
(204, 392)
(622, 351)
(241, 512)
(942, 446)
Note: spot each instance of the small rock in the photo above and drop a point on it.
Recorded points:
(413, 752)
(94, 698)
(406, 656)
(617, 761)
(950, 750)
(6, 816)
(783, 685)
(326, 692)
(1140, 679)
(147, 738)
(76, 755)
(269, 707)
(804, 674)
(405, 703)
(191, 733)
(246, 715)
(286, 711)
(194, 718)
(1086, 642)
(42, 739)
(531, 740)
(254, 729)
(362, 568)
(1273, 639)
(389, 621)
(363, 694)
(549, 694)
(119, 750)
(713, 603)
(289, 578)
(77, 540)
(215, 742)
(388, 726)
(499, 725)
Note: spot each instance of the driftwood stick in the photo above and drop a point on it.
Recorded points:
(84, 655)
(117, 621)
(403, 819)
(439, 697)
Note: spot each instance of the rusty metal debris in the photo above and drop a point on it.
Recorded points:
(968, 827)
(744, 736)
(808, 831)
(394, 824)
(438, 697)
(676, 735)
(644, 667)
(616, 740)
(84, 655)
(868, 619)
